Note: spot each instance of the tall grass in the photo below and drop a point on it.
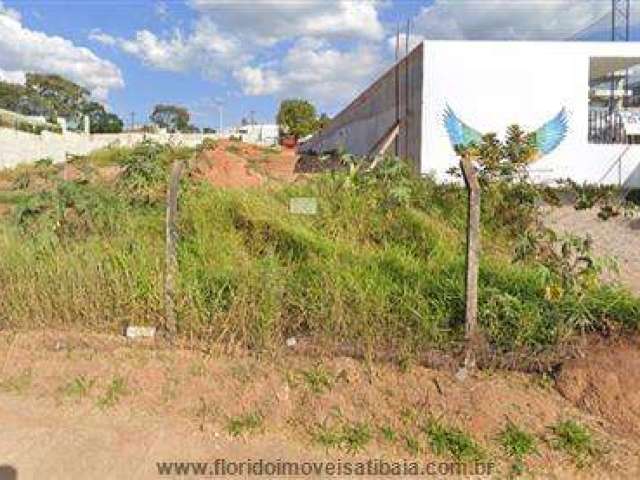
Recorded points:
(381, 266)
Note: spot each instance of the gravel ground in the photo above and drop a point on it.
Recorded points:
(617, 237)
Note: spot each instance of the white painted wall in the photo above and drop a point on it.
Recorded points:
(491, 85)
(259, 134)
(21, 147)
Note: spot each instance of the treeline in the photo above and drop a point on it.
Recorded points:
(52, 96)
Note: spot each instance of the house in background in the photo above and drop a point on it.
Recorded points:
(490, 85)
(258, 134)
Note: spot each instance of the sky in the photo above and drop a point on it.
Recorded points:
(245, 56)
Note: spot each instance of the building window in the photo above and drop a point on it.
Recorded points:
(614, 100)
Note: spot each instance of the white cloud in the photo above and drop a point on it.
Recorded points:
(314, 69)
(508, 19)
(15, 76)
(414, 40)
(204, 49)
(258, 81)
(10, 12)
(268, 21)
(231, 36)
(23, 50)
(229, 33)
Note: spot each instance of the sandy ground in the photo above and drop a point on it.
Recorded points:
(617, 237)
(178, 403)
(42, 440)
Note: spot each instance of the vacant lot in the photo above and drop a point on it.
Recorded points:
(335, 334)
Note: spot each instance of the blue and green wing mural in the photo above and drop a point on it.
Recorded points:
(460, 134)
(548, 137)
(552, 133)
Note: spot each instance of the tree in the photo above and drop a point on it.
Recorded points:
(171, 117)
(52, 96)
(18, 99)
(323, 121)
(61, 95)
(297, 117)
(100, 120)
(10, 94)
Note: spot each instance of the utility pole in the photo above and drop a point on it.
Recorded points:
(406, 40)
(398, 44)
(133, 121)
(397, 75)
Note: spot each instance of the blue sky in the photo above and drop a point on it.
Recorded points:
(248, 55)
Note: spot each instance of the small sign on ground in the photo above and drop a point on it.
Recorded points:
(303, 206)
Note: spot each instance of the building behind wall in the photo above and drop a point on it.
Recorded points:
(491, 85)
(258, 134)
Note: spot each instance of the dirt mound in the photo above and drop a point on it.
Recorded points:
(70, 173)
(224, 169)
(235, 165)
(606, 383)
(111, 173)
(317, 164)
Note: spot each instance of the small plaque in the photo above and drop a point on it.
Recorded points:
(303, 206)
(140, 332)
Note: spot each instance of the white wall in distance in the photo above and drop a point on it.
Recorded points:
(21, 147)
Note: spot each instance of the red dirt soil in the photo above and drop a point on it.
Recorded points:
(606, 384)
(177, 405)
(238, 165)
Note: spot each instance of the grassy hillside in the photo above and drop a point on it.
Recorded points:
(380, 268)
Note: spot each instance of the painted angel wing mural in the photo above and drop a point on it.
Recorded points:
(460, 134)
(547, 137)
(552, 133)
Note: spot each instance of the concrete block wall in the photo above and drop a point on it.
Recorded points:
(398, 94)
(18, 147)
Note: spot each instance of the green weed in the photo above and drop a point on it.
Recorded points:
(350, 437)
(318, 379)
(245, 424)
(576, 440)
(388, 433)
(115, 390)
(447, 440)
(79, 387)
(517, 444)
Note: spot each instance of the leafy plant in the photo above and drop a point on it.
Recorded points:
(317, 379)
(245, 424)
(350, 437)
(145, 172)
(447, 440)
(576, 440)
(517, 444)
(78, 387)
